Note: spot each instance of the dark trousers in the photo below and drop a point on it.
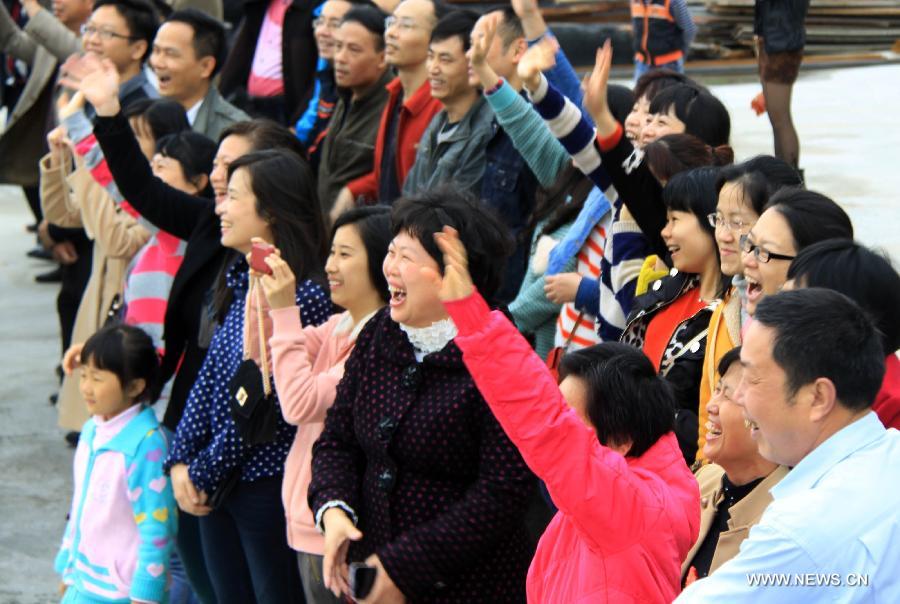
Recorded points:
(246, 550)
(190, 550)
(33, 196)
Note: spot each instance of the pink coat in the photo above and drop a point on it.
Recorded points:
(624, 524)
(308, 363)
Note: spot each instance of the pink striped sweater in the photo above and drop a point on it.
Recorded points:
(152, 270)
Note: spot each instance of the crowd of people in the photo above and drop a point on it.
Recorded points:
(379, 302)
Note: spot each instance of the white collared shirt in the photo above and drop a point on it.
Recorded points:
(193, 111)
(831, 533)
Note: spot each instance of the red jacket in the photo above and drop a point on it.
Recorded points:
(624, 524)
(887, 403)
(415, 116)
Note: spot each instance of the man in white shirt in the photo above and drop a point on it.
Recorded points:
(812, 366)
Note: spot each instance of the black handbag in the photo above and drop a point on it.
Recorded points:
(251, 397)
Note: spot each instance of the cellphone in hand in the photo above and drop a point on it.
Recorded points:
(258, 254)
(362, 579)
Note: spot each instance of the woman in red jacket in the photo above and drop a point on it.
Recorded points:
(629, 509)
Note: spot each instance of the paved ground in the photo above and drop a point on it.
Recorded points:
(849, 131)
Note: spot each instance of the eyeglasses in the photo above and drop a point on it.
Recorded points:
(104, 34)
(323, 22)
(762, 254)
(404, 23)
(717, 220)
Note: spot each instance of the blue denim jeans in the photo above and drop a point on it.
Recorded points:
(640, 68)
(246, 550)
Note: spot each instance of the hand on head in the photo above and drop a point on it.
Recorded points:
(539, 58)
(456, 283)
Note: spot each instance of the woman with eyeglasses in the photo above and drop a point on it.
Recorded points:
(743, 191)
(793, 219)
(670, 322)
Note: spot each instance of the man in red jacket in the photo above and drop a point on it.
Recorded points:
(409, 109)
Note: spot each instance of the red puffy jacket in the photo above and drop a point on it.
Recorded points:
(624, 524)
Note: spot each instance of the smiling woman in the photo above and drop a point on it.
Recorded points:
(670, 322)
(410, 456)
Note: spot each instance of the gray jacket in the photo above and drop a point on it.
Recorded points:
(216, 114)
(460, 159)
(42, 44)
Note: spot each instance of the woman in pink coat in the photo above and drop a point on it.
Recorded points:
(602, 441)
(309, 362)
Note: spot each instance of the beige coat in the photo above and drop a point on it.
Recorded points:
(743, 515)
(77, 200)
(41, 44)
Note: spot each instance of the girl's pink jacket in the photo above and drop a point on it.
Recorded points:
(624, 524)
(308, 363)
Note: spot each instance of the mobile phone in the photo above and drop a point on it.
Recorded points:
(258, 254)
(362, 578)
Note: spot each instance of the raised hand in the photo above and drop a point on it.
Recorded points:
(540, 57)
(97, 79)
(456, 283)
(481, 45)
(532, 20)
(595, 99)
(69, 104)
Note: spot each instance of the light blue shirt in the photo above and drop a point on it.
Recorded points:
(831, 533)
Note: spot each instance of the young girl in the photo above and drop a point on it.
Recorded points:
(122, 523)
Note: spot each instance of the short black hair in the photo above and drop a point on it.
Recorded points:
(760, 178)
(194, 152)
(811, 216)
(728, 359)
(140, 16)
(820, 333)
(620, 100)
(626, 399)
(673, 153)
(371, 18)
(129, 353)
(209, 35)
(373, 223)
(265, 134)
(694, 191)
(649, 84)
(510, 28)
(456, 23)
(164, 116)
(863, 275)
(703, 115)
(487, 240)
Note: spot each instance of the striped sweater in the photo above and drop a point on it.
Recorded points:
(152, 271)
(623, 247)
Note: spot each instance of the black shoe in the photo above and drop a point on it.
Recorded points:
(72, 438)
(31, 228)
(60, 374)
(39, 253)
(54, 276)
(54, 397)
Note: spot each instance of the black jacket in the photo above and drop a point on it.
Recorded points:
(639, 191)
(189, 320)
(685, 372)
(780, 24)
(298, 54)
(439, 489)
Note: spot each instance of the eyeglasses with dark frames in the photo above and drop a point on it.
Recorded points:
(762, 254)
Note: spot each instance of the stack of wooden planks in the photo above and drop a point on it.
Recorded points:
(833, 27)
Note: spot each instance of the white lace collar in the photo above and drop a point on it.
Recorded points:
(432, 338)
